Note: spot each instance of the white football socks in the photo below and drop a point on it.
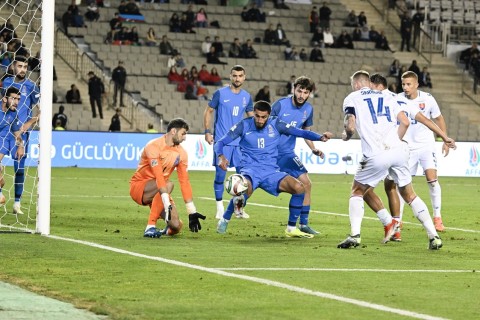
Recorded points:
(356, 212)
(420, 211)
(435, 197)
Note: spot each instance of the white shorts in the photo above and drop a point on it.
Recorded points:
(393, 162)
(426, 157)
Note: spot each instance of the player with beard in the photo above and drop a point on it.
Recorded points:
(259, 138)
(229, 103)
(296, 111)
(10, 134)
(151, 185)
(28, 117)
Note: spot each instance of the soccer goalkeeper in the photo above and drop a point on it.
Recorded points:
(150, 185)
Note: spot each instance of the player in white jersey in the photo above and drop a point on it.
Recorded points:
(421, 142)
(374, 115)
(379, 82)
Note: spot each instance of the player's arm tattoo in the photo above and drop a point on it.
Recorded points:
(349, 125)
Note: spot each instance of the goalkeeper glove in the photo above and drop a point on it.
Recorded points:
(194, 223)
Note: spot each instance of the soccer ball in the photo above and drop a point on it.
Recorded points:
(236, 184)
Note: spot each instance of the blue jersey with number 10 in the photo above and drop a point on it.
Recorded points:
(229, 110)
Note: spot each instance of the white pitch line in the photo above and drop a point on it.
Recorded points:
(267, 282)
(347, 270)
(339, 214)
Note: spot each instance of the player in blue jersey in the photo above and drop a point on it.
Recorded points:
(10, 135)
(295, 110)
(229, 104)
(27, 113)
(259, 137)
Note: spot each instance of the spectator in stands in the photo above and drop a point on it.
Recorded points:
(269, 35)
(92, 13)
(151, 39)
(467, 54)
(248, 52)
(373, 34)
(290, 85)
(254, 14)
(244, 14)
(406, 31)
(151, 129)
(351, 20)
(317, 38)
(357, 34)
(193, 74)
(475, 63)
(206, 44)
(96, 90)
(190, 93)
(365, 34)
(165, 46)
(200, 90)
(174, 23)
(73, 7)
(316, 55)
(173, 76)
(122, 7)
(344, 41)
(133, 37)
(303, 55)
(115, 25)
(324, 16)
(424, 79)
(280, 36)
(60, 116)
(122, 37)
(201, 18)
(263, 94)
(235, 50)
(115, 121)
(288, 52)
(185, 25)
(394, 68)
(218, 45)
(417, 22)
(67, 21)
(119, 77)
(204, 75)
(280, 4)
(58, 126)
(415, 68)
(132, 8)
(212, 57)
(328, 38)
(73, 95)
(34, 62)
(362, 20)
(189, 16)
(215, 78)
(382, 42)
(77, 20)
(313, 19)
(8, 30)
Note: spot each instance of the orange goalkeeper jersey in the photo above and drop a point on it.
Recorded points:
(159, 160)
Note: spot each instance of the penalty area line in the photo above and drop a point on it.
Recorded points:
(267, 282)
(346, 270)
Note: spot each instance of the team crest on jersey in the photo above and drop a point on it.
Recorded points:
(474, 157)
(154, 163)
(271, 132)
(421, 106)
(244, 102)
(304, 116)
(177, 161)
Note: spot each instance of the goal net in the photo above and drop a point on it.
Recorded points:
(21, 24)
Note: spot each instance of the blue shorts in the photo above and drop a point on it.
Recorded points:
(291, 164)
(265, 178)
(233, 155)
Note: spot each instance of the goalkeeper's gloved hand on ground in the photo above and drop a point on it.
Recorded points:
(194, 223)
